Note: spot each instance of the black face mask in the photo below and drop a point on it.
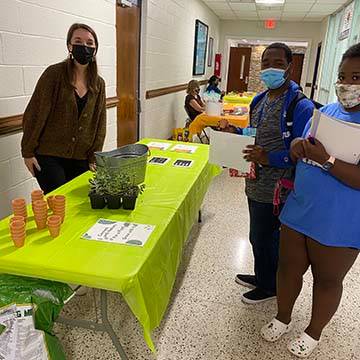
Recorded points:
(83, 54)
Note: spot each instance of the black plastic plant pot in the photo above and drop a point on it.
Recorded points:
(97, 201)
(129, 202)
(113, 202)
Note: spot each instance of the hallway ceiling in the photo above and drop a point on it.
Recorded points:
(288, 10)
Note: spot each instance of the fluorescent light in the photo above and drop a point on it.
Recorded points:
(270, 2)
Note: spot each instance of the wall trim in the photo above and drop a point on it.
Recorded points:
(150, 94)
(13, 124)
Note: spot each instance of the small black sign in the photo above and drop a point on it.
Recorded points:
(158, 160)
(183, 163)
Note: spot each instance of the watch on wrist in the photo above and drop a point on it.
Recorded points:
(329, 164)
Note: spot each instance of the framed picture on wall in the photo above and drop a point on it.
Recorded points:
(200, 47)
(211, 52)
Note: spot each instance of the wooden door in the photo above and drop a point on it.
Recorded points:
(239, 69)
(298, 62)
(128, 20)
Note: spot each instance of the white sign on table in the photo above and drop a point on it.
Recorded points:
(186, 149)
(158, 145)
(119, 232)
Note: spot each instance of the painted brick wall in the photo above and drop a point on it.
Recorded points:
(32, 36)
(168, 46)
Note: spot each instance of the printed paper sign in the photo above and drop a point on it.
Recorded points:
(119, 232)
(188, 149)
(158, 145)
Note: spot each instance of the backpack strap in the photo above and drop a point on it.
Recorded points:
(291, 109)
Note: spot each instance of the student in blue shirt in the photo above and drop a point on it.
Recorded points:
(320, 222)
(271, 158)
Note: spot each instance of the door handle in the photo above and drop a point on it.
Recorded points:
(246, 80)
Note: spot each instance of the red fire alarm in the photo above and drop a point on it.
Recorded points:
(270, 24)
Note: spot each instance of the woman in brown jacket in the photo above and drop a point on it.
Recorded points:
(65, 120)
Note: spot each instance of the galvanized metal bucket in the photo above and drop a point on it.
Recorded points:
(130, 160)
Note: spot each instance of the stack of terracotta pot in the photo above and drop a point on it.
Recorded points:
(19, 207)
(40, 213)
(58, 206)
(40, 209)
(18, 230)
(54, 225)
(36, 195)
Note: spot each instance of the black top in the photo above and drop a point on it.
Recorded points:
(81, 102)
(192, 113)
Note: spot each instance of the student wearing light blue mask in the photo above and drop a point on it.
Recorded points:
(276, 126)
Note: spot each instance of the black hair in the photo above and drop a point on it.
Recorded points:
(281, 46)
(351, 53)
(212, 79)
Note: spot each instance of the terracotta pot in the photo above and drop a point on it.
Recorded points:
(23, 214)
(19, 202)
(54, 219)
(50, 201)
(17, 231)
(18, 235)
(58, 206)
(40, 223)
(19, 241)
(20, 224)
(54, 231)
(59, 199)
(17, 218)
(40, 214)
(40, 203)
(19, 208)
(37, 194)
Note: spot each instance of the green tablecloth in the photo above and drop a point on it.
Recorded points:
(143, 275)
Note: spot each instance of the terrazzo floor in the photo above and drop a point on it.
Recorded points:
(206, 319)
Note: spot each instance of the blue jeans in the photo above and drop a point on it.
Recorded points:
(264, 238)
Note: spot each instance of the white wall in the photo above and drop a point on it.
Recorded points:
(286, 31)
(32, 36)
(167, 49)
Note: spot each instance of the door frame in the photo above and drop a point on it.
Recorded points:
(140, 5)
(314, 86)
(229, 38)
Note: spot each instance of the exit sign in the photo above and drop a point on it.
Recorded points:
(270, 24)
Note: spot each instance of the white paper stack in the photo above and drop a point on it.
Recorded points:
(226, 149)
(341, 139)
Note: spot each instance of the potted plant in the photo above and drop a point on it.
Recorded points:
(130, 194)
(97, 191)
(114, 186)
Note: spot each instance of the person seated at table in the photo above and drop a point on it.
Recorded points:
(213, 85)
(194, 106)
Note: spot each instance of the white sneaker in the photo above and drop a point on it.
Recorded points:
(275, 329)
(303, 346)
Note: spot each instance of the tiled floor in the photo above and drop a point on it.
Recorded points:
(206, 319)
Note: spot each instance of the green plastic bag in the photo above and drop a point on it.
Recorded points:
(28, 309)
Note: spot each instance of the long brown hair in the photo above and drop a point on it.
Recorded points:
(92, 69)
